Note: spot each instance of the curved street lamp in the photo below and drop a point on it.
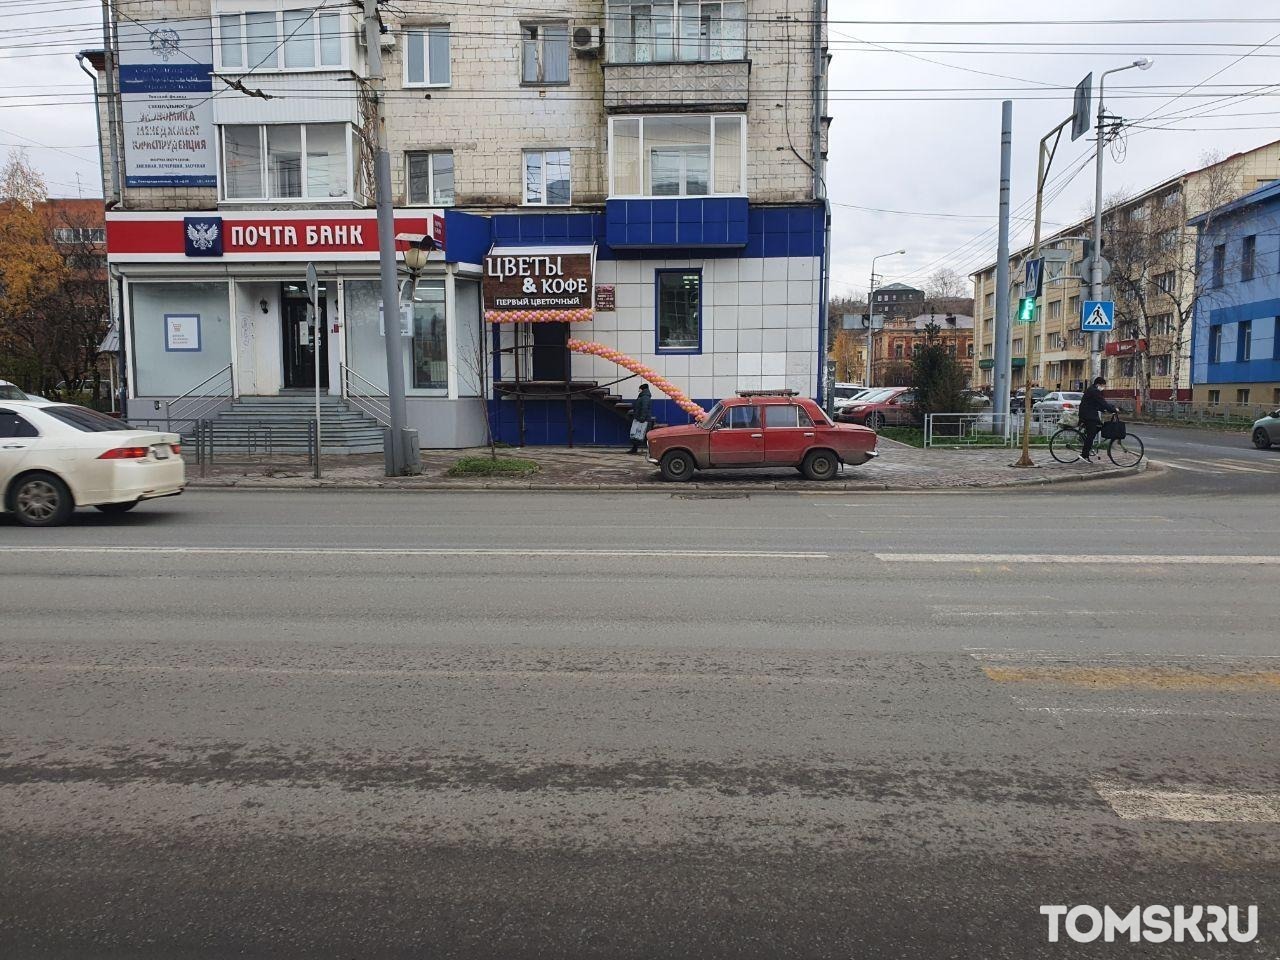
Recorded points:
(866, 382)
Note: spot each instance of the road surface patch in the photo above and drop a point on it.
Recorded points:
(1135, 677)
(1079, 559)
(424, 552)
(1189, 806)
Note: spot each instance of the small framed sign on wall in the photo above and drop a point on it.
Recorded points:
(181, 332)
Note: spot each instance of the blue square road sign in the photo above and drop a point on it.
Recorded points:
(1098, 316)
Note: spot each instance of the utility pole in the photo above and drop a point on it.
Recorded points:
(870, 309)
(1001, 369)
(1095, 263)
(401, 444)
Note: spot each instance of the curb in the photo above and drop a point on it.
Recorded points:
(383, 486)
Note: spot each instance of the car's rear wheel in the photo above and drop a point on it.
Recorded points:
(820, 465)
(875, 421)
(40, 500)
(1261, 439)
(117, 507)
(676, 466)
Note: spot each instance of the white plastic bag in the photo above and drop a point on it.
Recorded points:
(638, 429)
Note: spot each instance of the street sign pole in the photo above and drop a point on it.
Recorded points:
(313, 319)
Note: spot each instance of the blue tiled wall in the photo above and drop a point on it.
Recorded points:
(545, 422)
(677, 222)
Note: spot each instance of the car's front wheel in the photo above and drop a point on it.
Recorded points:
(117, 507)
(1261, 439)
(875, 421)
(676, 466)
(40, 500)
(820, 465)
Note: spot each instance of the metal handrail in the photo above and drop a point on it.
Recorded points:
(203, 402)
(365, 401)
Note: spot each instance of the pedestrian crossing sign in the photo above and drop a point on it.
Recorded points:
(1098, 315)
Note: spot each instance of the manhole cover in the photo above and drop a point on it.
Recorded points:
(710, 496)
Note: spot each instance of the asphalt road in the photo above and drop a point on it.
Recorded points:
(412, 725)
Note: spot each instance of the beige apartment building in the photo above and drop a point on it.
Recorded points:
(1153, 281)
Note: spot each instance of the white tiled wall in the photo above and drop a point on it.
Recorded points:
(759, 325)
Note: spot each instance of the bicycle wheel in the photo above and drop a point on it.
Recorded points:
(1065, 445)
(1126, 452)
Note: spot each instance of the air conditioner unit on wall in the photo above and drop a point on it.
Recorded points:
(588, 40)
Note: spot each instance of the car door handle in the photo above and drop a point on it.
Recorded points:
(808, 434)
(757, 436)
(14, 446)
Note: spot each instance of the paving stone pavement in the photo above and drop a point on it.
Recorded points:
(899, 467)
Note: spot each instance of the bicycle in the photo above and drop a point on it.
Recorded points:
(1125, 450)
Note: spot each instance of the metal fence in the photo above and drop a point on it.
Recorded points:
(984, 428)
(1184, 411)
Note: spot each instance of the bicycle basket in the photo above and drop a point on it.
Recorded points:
(1069, 420)
(1114, 430)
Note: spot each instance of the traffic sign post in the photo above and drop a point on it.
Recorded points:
(1098, 316)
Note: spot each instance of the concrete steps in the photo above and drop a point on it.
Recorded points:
(282, 424)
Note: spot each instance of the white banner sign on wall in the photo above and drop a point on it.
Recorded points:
(181, 332)
(166, 91)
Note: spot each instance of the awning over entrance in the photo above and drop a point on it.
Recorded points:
(539, 284)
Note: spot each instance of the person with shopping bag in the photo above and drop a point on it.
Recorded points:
(640, 411)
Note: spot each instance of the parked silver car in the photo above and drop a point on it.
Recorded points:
(1267, 431)
(1055, 404)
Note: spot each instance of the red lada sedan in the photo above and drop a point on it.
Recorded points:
(766, 428)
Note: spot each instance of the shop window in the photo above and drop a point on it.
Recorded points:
(676, 156)
(307, 38)
(655, 31)
(1244, 340)
(679, 309)
(546, 178)
(426, 56)
(286, 162)
(156, 310)
(544, 53)
(430, 178)
(430, 337)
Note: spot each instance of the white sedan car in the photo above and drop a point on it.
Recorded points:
(55, 457)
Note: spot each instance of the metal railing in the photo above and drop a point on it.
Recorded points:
(984, 429)
(365, 396)
(191, 406)
(1188, 411)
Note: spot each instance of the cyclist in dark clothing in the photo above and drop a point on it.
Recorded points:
(1092, 406)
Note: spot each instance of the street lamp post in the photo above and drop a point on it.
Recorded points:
(1095, 264)
(870, 291)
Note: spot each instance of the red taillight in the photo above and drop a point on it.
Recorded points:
(1068, 406)
(125, 453)
(177, 448)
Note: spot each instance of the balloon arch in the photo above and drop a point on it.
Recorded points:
(635, 366)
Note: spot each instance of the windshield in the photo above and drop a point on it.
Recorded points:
(873, 396)
(82, 418)
(705, 422)
(9, 392)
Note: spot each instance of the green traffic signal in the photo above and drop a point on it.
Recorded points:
(1027, 310)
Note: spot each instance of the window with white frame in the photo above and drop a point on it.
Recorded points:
(677, 156)
(429, 176)
(287, 161)
(80, 235)
(426, 56)
(306, 38)
(657, 31)
(544, 53)
(546, 177)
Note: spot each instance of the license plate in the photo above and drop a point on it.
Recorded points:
(161, 452)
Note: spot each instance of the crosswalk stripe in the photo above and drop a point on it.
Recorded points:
(1132, 802)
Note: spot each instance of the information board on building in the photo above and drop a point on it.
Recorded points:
(166, 96)
(182, 332)
(532, 287)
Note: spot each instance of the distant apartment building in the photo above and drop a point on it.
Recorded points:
(894, 346)
(1235, 342)
(660, 161)
(1154, 282)
(897, 300)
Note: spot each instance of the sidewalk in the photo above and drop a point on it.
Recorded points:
(899, 467)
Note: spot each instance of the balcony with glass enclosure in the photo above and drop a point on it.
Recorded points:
(676, 54)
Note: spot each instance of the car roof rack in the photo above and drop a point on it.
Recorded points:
(768, 393)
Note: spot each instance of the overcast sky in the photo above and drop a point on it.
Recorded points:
(908, 135)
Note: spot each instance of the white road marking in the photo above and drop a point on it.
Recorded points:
(1183, 466)
(1189, 806)
(1078, 559)
(976, 612)
(1027, 706)
(420, 552)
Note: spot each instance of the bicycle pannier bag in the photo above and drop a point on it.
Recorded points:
(1113, 430)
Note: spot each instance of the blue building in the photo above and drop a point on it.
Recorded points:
(1235, 337)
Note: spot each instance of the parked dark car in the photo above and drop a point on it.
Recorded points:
(1017, 401)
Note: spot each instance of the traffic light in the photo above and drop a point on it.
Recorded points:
(1027, 310)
